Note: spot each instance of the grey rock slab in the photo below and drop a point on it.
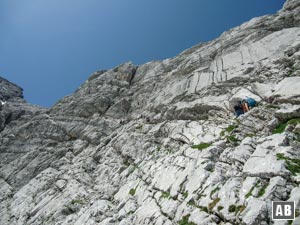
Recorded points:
(119, 150)
(255, 212)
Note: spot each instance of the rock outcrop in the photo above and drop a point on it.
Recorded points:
(158, 143)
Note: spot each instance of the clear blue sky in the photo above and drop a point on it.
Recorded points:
(49, 47)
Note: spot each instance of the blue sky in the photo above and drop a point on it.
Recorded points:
(50, 47)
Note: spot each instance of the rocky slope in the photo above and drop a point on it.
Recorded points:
(158, 143)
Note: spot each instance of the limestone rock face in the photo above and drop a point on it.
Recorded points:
(9, 90)
(158, 144)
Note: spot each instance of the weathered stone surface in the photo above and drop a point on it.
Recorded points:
(256, 212)
(158, 143)
(9, 90)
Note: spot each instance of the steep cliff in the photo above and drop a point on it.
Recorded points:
(159, 143)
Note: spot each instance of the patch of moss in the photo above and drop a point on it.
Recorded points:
(213, 204)
(185, 221)
(294, 121)
(271, 106)
(230, 128)
(280, 156)
(262, 190)
(251, 190)
(185, 194)
(166, 195)
(132, 191)
(214, 191)
(201, 196)
(220, 208)
(201, 146)
(232, 138)
(203, 208)
(192, 203)
(293, 165)
(281, 127)
(232, 208)
(236, 209)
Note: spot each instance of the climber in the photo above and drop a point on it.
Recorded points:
(251, 102)
(238, 109)
(245, 106)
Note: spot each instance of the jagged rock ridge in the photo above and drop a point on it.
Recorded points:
(158, 143)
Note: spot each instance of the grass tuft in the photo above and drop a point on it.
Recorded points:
(214, 191)
(262, 190)
(220, 208)
(185, 221)
(293, 165)
(281, 127)
(232, 208)
(166, 195)
(232, 138)
(185, 194)
(230, 128)
(132, 191)
(201, 146)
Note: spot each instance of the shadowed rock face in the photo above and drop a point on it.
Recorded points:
(12, 104)
(158, 143)
(9, 90)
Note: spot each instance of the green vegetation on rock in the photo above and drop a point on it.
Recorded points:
(185, 221)
(251, 190)
(272, 106)
(262, 190)
(232, 138)
(281, 127)
(293, 165)
(203, 208)
(220, 208)
(201, 146)
(185, 194)
(236, 209)
(192, 203)
(132, 191)
(214, 191)
(232, 208)
(230, 128)
(166, 195)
